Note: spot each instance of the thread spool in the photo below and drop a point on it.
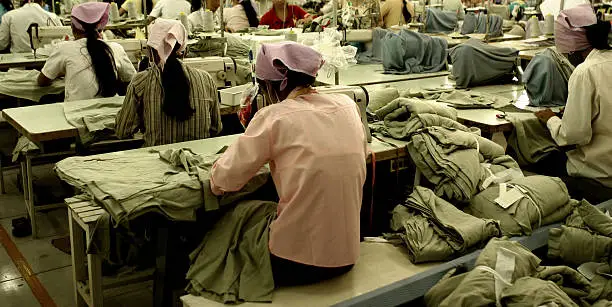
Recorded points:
(131, 8)
(114, 12)
(291, 36)
(208, 21)
(534, 27)
(549, 24)
(184, 21)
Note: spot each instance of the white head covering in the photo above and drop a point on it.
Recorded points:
(164, 34)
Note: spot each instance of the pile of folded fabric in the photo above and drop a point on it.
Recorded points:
(94, 119)
(439, 21)
(23, 84)
(473, 23)
(530, 140)
(508, 274)
(494, 63)
(435, 230)
(546, 78)
(543, 201)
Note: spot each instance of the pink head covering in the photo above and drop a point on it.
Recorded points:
(90, 13)
(294, 56)
(570, 35)
(164, 34)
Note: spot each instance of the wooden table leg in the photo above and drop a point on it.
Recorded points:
(95, 276)
(159, 287)
(2, 189)
(77, 245)
(30, 198)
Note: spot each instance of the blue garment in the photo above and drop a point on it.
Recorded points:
(439, 21)
(493, 63)
(546, 78)
(411, 52)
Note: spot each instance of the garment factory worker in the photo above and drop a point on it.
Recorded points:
(169, 102)
(15, 24)
(455, 6)
(138, 6)
(91, 67)
(196, 18)
(586, 121)
(283, 15)
(240, 16)
(316, 147)
(170, 9)
(5, 6)
(396, 12)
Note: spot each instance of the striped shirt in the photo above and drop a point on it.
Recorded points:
(142, 109)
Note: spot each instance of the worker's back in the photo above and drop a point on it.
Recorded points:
(14, 26)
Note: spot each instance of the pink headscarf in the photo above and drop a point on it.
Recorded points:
(570, 35)
(164, 34)
(90, 13)
(294, 56)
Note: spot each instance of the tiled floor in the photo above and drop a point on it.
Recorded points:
(51, 266)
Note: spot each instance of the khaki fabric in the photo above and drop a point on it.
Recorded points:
(534, 292)
(576, 246)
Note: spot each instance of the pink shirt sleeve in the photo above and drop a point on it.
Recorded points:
(244, 158)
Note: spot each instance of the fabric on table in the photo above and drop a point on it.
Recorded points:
(474, 99)
(530, 291)
(93, 117)
(23, 145)
(434, 230)
(236, 47)
(439, 21)
(232, 264)
(375, 54)
(410, 52)
(473, 23)
(530, 140)
(589, 217)
(518, 30)
(425, 93)
(545, 201)
(382, 97)
(570, 281)
(546, 78)
(576, 246)
(494, 63)
(501, 258)
(402, 105)
(23, 84)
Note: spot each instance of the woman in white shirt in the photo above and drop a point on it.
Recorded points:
(240, 17)
(138, 6)
(170, 9)
(585, 123)
(92, 68)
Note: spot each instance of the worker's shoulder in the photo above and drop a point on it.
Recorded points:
(598, 61)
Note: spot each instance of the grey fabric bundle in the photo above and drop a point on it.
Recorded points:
(493, 63)
(411, 52)
(232, 264)
(236, 47)
(382, 97)
(374, 55)
(530, 140)
(474, 99)
(439, 21)
(94, 118)
(546, 201)
(473, 23)
(546, 78)
(435, 230)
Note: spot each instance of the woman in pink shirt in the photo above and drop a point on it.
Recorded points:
(316, 147)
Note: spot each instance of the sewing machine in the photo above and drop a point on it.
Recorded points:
(135, 48)
(40, 36)
(221, 69)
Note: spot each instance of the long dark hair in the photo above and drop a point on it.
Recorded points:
(8, 5)
(249, 10)
(102, 60)
(149, 4)
(195, 5)
(406, 12)
(597, 35)
(176, 89)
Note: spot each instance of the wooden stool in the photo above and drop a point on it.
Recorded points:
(87, 268)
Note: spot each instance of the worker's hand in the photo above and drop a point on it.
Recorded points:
(545, 115)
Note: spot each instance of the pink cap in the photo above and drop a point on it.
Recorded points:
(570, 35)
(273, 58)
(164, 34)
(90, 13)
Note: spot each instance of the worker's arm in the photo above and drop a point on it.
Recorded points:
(54, 68)
(582, 106)
(128, 119)
(244, 158)
(43, 80)
(5, 33)
(384, 11)
(302, 16)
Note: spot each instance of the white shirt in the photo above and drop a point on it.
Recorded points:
(137, 5)
(170, 9)
(72, 60)
(14, 26)
(235, 18)
(587, 120)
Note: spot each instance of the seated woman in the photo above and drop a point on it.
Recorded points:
(92, 67)
(396, 12)
(585, 122)
(316, 146)
(138, 6)
(169, 102)
(283, 16)
(240, 17)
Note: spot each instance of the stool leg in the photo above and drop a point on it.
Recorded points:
(30, 198)
(95, 277)
(2, 189)
(77, 245)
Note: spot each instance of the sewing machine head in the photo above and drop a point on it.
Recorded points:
(40, 36)
(221, 69)
(358, 94)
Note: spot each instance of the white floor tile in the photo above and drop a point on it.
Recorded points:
(59, 285)
(51, 224)
(16, 293)
(42, 256)
(8, 270)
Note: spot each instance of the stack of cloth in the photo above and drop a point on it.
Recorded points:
(411, 52)
(546, 78)
(473, 23)
(405, 52)
(508, 274)
(435, 230)
(439, 21)
(93, 118)
(530, 140)
(543, 201)
(494, 63)
(236, 47)
(23, 84)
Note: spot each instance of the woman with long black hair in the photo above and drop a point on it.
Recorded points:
(169, 102)
(241, 16)
(396, 12)
(92, 67)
